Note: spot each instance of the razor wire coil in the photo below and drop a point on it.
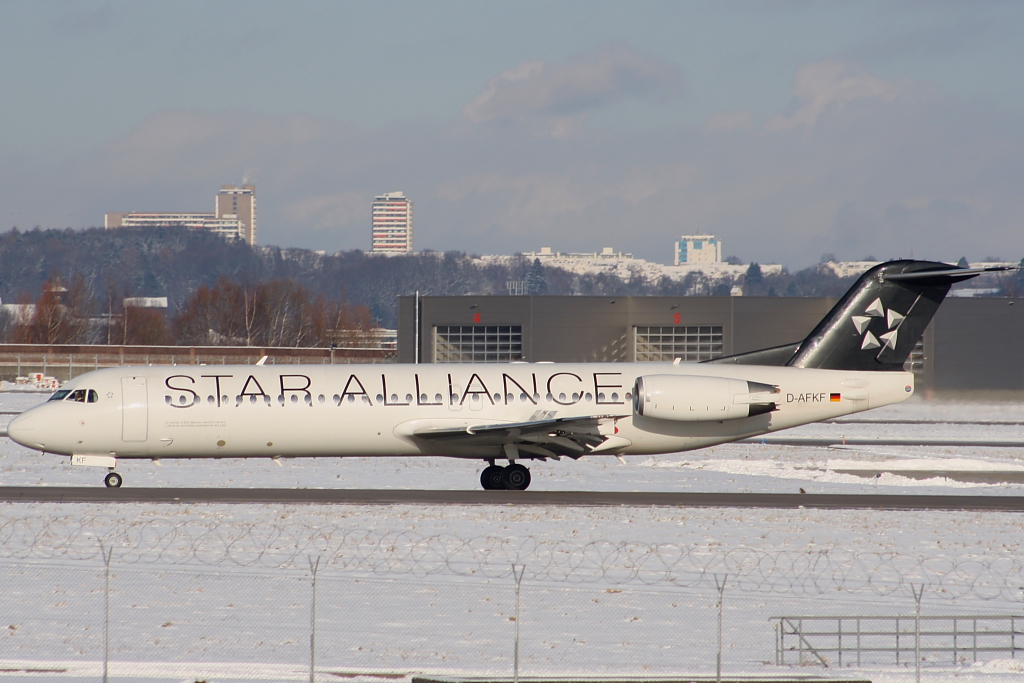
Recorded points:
(798, 573)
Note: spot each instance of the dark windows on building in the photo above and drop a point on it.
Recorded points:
(478, 343)
(687, 343)
(915, 363)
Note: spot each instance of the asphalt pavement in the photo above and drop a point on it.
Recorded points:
(825, 501)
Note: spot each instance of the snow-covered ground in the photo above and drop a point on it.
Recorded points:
(191, 598)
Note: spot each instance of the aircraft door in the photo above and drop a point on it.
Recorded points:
(134, 409)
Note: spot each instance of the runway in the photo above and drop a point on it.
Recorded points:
(820, 442)
(824, 501)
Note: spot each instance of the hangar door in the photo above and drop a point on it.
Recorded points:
(134, 409)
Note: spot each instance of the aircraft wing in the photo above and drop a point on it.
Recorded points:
(539, 438)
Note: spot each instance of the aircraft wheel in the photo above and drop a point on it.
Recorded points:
(490, 478)
(113, 480)
(515, 477)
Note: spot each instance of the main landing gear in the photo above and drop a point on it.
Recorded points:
(515, 477)
(113, 480)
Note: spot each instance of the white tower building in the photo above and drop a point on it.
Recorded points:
(392, 224)
(698, 249)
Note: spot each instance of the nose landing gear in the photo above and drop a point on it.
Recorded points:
(515, 477)
(113, 480)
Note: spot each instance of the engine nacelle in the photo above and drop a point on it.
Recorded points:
(694, 398)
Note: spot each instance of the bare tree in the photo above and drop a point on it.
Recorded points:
(61, 314)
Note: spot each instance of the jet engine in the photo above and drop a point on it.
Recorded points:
(690, 398)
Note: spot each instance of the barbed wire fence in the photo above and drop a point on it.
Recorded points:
(180, 589)
(368, 552)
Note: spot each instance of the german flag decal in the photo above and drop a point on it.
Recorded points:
(835, 398)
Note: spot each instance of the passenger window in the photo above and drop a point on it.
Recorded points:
(78, 395)
(93, 396)
(60, 395)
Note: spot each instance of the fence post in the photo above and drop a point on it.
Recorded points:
(313, 567)
(106, 554)
(840, 642)
(918, 591)
(720, 585)
(515, 657)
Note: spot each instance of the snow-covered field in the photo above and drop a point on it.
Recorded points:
(183, 606)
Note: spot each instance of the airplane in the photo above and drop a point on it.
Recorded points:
(852, 361)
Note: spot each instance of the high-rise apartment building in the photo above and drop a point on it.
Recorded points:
(234, 217)
(392, 224)
(698, 249)
(239, 203)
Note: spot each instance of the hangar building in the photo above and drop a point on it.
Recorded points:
(971, 344)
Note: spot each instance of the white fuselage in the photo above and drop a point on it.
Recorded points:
(373, 410)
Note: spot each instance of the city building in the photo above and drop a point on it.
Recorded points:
(971, 344)
(239, 203)
(698, 249)
(234, 217)
(145, 302)
(847, 268)
(625, 266)
(392, 224)
(228, 228)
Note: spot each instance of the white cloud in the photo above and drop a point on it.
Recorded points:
(822, 85)
(570, 90)
(488, 104)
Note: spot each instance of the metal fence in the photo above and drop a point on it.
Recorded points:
(201, 623)
(159, 599)
(67, 361)
(371, 552)
(897, 640)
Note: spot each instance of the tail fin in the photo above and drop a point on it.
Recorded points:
(875, 325)
(880, 319)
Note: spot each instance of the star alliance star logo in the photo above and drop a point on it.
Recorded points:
(876, 310)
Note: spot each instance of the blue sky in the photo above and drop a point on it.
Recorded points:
(789, 129)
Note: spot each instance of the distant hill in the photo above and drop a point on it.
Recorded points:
(171, 262)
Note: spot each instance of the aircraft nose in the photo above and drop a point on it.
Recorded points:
(26, 430)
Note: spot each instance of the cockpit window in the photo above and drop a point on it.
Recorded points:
(77, 395)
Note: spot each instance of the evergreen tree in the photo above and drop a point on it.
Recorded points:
(536, 284)
(754, 277)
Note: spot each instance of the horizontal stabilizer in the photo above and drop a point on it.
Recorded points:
(950, 275)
